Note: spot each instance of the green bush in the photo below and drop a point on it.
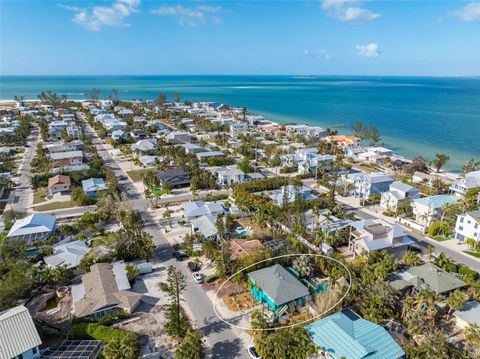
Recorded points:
(100, 332)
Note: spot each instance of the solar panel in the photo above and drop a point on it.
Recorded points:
(75, 349)
(350, 314)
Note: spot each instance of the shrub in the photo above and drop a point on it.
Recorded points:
(100, 332)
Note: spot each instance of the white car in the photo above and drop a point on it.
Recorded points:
(253, 353)
(197, 277)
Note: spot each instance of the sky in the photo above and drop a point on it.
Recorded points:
(321, 37)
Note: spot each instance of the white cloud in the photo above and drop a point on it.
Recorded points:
(369, 50)
(322, 53)
(191, 16)
(470, 12)
(347, 11)
(100, 16)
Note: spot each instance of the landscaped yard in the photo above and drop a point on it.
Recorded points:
(157, 191)
(441, 238)
(237, 302)
(137, 175)
(39, 195)
(55, 205)
(472, 253)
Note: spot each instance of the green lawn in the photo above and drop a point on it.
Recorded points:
(55, 205)
(137, 175)
(39, 195)
(472, 253)
(441, 238)
(157, 191)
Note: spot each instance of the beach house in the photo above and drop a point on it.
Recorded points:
(196, 209)
(277, 287)
(105, 289)
(32, 228)
(398, 192)
(346, 334)
(19, 338)
(429, 209)
(93, 186)
(290, 193)
(59, 183)
(67, 254)
(468, 226)
(377, 234)
(366, 185)
(461, 186)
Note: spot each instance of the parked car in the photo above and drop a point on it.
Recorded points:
(122, 178)
(193, 267)
(253, 353)
(178, 256)
(197, 277)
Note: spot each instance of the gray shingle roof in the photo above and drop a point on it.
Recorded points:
(279, 284)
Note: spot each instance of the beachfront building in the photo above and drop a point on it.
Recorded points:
(238, 128)
(104, 290)
(342, 141)
(277, 287)
(306, 130)
(33, 228)
(468, 226)
(376, 234)
(429, 209)
(398, 192)
(461, 186)
(375, 155)
(19, 338)
(346, 334)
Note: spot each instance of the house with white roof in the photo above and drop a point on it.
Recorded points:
(468, 315)
(177, 137)
(145, 147)
(67, 254)
(206, 226)
(238, 128)
(377, 234)
(375, 155)
(461, 186)
(66, 159)
(93, 186)
(226, 176)
(32, 228)
(203, 156)
(305, 130)
(366, 185)
(196, 209)
(429, 209)
(398, 192)
(119, 135)
(19, 338)
(192, 148)
(468, 226)
(289, 193)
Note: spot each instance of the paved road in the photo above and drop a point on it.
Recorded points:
(19, 197)
(222, 338)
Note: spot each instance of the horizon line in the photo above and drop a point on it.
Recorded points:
(239, 75)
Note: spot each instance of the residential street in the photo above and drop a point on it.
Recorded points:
(22, 194)
(223, 340)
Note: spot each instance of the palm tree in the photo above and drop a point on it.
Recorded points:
(430, 251)
(456, 300)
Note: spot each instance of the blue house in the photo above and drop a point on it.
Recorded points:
(276, 287)
(346, 334)
(93, 186)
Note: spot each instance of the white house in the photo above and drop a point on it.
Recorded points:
(67, 254)
(428, 209)
(238, 128)
(177, 137)
(366, 185)
(377, 234)
(398, 192)
(461, 186)
(19, 338)
(205, 226)
(32, 228)
(468, 226)
(289, 194)
(119, 135)
(145, 147)
(196, 209)
(469, 314)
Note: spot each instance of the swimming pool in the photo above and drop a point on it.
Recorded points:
(243, 233)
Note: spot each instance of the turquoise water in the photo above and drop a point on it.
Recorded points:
(415, 115)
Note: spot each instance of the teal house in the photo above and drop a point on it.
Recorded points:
(346, 334)
(277, 287)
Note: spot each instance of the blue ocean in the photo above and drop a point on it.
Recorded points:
(416, 116)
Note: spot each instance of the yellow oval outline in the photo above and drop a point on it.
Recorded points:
(291, 325)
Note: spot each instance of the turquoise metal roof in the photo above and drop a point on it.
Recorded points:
(346, 334)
